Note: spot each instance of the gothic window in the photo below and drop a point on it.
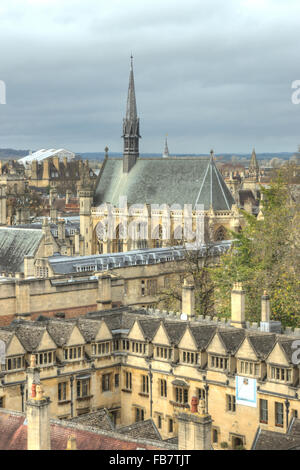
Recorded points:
(220, 234)
(157, 235)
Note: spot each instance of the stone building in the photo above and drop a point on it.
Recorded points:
(142, 365)
(151, 195)
(73, 286)
(57, 169)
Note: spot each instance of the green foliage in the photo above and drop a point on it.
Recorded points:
(265, 256)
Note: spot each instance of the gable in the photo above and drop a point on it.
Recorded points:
(187, 341)
(103, 332)
(46, 342)
(161, 337)
(246, 351)
(15, 348)
(75, 337)
(216, 346)
(277, 356)
(136, 332)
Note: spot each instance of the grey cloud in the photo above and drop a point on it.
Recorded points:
(210, 74)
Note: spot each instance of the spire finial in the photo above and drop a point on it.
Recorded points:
(166, 150)
(131, 61)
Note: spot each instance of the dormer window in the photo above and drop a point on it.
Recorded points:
(15, 363)
(219, 362)
(138, 348)
(45, 358)
(163, 353)
(249, 368)
(101, 349)
(189, 357)
(73, 354)
(281, 374)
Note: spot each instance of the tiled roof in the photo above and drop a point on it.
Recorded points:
(13, 436)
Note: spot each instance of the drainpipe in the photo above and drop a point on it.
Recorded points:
(71, 385)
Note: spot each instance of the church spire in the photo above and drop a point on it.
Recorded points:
(166, 150)
(253, 167)
(131, 112)
(131, 126)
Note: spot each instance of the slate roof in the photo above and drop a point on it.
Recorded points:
(15, 244)
(232, 339)
(175, 330)
(60, 331)
(149, 327)
(30, 336)
(72, 264)
(99, 419)
(262, 344)
(141, 430)
(202, 335)
(176, 180)
(270, 440)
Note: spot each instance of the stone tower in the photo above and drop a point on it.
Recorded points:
(131, 128)
(86, 232)
(3, 211)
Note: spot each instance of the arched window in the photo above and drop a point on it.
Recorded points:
(157, 235)
(118, 242)
(220, 234)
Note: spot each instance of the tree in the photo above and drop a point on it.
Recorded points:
(265, 256)
(195, 267)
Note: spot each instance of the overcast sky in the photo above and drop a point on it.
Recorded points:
(210, 73)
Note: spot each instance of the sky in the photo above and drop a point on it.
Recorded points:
(212, 74)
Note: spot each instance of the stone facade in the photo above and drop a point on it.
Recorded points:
(142, 365)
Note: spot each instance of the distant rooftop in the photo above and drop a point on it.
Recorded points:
(43, 154)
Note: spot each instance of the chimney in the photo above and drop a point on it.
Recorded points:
(28, 266)
(46, 169)
(68, 195)
(37, 412)
(71, 443)
(53, 215)
(61, 230)
(104, 292)
(266, 323)
(52, 196)
(77, 242)
(238, 306)
(194, 428)
(188, 300)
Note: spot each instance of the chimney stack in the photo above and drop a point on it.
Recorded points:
(104, 301)
(188, 300)
(61, 230)
(266, 324)
(37, 411)
(238, 306)
(194, 428)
